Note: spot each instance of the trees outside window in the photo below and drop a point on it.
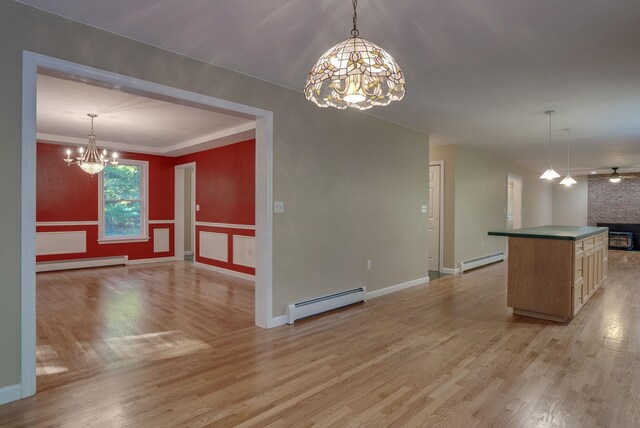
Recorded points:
(123, 201)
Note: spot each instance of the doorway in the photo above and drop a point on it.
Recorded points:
(185, 208)
(434, 216)
(514, 202)
(31, 64)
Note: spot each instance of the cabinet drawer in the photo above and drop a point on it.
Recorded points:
(599, 238)
(579, 246)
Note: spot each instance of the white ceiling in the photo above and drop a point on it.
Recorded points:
(130, 122)
(479, 72)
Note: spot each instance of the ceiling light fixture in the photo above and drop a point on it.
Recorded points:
(355, 73)
(91, 160)
(549, 174)
(568, 179)
(615, 177)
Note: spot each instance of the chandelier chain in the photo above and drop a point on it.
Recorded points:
(355, 32)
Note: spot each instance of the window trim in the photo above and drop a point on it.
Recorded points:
(144, 206)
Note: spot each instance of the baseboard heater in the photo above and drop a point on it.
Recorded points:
(296, 311)
(81, 263)
(476, 263)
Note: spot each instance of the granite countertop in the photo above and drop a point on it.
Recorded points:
(570, 233)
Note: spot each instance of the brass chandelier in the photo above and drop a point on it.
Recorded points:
(91, 160)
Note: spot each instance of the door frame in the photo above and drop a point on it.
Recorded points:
(440, 163)
(178, 209)
(31, 61)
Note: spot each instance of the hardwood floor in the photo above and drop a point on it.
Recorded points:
(91, 318)
(450, 354)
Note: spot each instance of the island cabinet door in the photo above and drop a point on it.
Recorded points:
(578, 283)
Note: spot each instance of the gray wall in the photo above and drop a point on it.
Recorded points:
(479, 195)
(570, 203)
(352, 184)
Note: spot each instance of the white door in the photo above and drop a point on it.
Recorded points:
(514, 202)
(433, 217)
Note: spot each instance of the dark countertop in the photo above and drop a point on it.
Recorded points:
(569, 233)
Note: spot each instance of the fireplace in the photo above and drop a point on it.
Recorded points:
(623, 236)
(621, 240)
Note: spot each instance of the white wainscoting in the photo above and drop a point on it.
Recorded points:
(214, 246)
(61, 242)
(244, 250)
(160, 240)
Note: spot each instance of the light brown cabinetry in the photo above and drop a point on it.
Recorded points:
(553, 278)
(591, 262)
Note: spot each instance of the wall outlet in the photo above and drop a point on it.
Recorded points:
(369, 264)
(278, 207)
(423, 209)
(197, 207)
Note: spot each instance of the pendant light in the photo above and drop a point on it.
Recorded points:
(615, 177)
(568, 179)
(549, 174)
(355, 73)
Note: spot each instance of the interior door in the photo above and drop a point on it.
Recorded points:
(433, 217)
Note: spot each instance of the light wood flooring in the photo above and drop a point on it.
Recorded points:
(448, 354)
(90, 319)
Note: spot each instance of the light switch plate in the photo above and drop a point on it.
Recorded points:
(278, 207)
(423, 209)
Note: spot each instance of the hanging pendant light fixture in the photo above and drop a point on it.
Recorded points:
(568, 179)
(615, 177)
(549, 174)
(91, 160)
(355, 73)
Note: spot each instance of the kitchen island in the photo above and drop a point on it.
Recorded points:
(554, 270)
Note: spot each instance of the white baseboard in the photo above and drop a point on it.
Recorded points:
(226, 271)
(10, 393)
(80, 263)
(152, 260)
(395, 288)
(277, 321)
(479, 262)
(450, 271)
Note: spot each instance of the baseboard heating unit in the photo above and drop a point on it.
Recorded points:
(296, 311)
(80, 263)
(476, 263)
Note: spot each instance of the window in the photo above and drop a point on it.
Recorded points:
(123, 202)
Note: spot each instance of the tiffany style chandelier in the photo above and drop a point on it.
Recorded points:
(355, 73)
(91, 160)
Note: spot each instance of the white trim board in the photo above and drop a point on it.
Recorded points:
(66, 223)
(31, 62)
(450, 271)
(398, 287)
(226, 225)
(151, 260)
(80, 263)
(225, 271)
(160, 222)
(10, 393)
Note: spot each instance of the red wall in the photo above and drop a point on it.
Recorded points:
(225, 183)
(70, 194)
(225, 191)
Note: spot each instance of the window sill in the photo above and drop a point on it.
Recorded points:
(122, 240)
